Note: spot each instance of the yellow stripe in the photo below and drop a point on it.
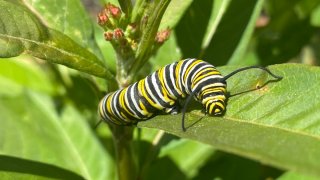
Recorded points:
(189, 67)
(123, 103)
(178, 77)
(213, 71)
(167, 96)
(210, 110)
(141, 87)
(220, 97)
(125, 117)
(145, 111)
(109, 104)
(196, 80)
(212, 90)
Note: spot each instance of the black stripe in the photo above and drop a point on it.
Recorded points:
(168, 80)
(212, 94)
(118, 107)
(191, 73)
(153, 90)
(109, 114)
(141, 98)
(126, 106)
(182, 67)
(136, 99)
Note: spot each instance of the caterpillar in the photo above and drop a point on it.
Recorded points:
(161, 90)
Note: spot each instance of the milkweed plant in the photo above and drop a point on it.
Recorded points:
(60, 58)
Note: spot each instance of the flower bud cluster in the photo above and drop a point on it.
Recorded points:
(124, 34)
(110, 16)
(116, 30)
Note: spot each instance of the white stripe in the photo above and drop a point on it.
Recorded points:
(156, 86)
(184, 71)
(106, 116)
(114, 103)
(149, 90)
(201, 68)
(127, 101)
(166, 83)
(172, 79)
(207, 78)
(210, 98)
(134, 101)
(103, 104)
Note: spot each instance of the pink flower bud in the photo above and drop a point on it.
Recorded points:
(113, 10)
(118, 33)
(162, 36)
(108, 36)
(102, 18)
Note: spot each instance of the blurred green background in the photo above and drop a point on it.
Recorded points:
(48, 111)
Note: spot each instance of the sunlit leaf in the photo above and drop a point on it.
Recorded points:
(42, 136)
(22, 32)
(174, 12)
(273, 124)
(68, 17)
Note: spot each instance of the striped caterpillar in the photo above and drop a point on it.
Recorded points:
(161, 90)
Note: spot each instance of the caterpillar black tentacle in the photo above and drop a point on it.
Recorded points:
(161, 90)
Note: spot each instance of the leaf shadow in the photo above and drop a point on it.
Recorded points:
(25, 166)
(152, 164)
(228, 166)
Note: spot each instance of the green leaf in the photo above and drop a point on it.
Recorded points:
(218, 10)
(13, 72)
(193, 157)
(288, 31)
(315, 17)
(107, 49)
(177, 157)
(24, 33)
(174, 12)
(32, 130)
(68, 17)
(227, 166)
(275, 124)
(96, 161)
(17, 25)
(192, 27)
(167, 53)
(231, 38)
(296, 176)
(126, 6)
(17, 168)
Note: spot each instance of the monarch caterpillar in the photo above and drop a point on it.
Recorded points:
(161, 90)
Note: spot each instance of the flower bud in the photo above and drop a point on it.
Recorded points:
(108, 36)
(131, 29)
(118, 33)
(162, 36)
(113, 10)
(102, 18)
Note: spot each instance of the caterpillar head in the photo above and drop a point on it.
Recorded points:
(215, 103)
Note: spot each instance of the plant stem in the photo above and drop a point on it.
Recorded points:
(125, 157)
(154, 15)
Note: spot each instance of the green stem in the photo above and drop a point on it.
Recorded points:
(125, 157)
(139, 9)
(156, 12)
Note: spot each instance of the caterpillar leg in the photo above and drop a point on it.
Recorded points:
(172, 110)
